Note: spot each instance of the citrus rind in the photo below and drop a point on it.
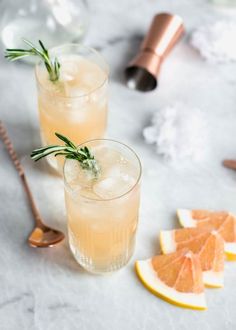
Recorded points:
(150, 280)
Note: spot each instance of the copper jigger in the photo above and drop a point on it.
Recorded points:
(143, 70)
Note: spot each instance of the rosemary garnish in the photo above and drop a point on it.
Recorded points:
(70, 151)
(52, 66)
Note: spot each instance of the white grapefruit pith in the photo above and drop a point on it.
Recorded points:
(208, 245)
(175, 277)
(223, 222)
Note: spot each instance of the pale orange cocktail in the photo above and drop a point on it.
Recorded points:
(76, 104)
(103, 211)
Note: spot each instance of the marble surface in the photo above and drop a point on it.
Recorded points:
(46, 289)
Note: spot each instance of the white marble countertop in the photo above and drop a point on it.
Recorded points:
(46, 289)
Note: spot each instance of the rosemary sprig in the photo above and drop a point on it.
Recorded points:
(70, 151)
(52, 66)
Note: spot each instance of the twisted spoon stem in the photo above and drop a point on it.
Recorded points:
(15, 160)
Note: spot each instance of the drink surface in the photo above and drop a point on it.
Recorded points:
(118, 174)
(103, 212)
(78, 77)
(76, 105)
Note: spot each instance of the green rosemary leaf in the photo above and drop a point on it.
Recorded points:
(15, 50)
(43, 148)
(82, 153)
(69, 156)
(29, 43)
(61, 154)
(66, 140)
(70, 151)
(43, 48)
(52, 66)
(86, 149)
(13, 56)
(35, 155)
(48, 67)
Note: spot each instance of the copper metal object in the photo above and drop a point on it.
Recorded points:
(143, 70)
(230, 163)
(42, 235)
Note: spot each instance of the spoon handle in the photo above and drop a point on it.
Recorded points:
(230, 163)
(15, 160)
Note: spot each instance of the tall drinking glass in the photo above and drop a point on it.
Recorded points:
(103, 212)
(76, 104)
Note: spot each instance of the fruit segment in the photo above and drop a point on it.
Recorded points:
(176, 277)
(208, 245)
(223, 222)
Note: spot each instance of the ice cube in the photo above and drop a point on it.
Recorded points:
(77, 116)
(91, 80)
(68, 70)
(76, 104)
(108, 156)
(113, 186)
(72, 171)
(74, 91)
(65, 76)
(76, 176)
(114, 171)
(100, 99)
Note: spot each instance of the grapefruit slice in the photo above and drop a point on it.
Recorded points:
(208, 245)
(223, 222)
(175, 277)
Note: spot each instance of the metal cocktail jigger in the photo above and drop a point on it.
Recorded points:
(142, 72)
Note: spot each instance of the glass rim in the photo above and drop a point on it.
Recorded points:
(92, 50)
(67, 186)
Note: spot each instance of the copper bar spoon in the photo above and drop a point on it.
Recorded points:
(230, 163)
(42, 235)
